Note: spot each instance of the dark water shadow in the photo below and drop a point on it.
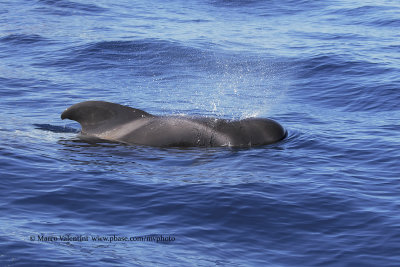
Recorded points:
(55, 128)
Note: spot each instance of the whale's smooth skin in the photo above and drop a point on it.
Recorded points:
(124, 124)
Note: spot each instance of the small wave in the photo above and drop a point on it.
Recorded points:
(341, 81)
(150, 57)
(65, 7)
(362, 10)
(24, 39)
(387, 22)
(268, 8)
(134, 55)
(370, 15)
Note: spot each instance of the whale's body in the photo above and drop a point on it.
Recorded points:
(124, 124)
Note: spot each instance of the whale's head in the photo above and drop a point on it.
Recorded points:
(254, 131)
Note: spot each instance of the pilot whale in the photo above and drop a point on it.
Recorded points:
(114, 122)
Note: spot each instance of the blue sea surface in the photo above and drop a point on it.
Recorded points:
(327, 195)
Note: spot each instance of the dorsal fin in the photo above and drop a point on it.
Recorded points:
(98, 116)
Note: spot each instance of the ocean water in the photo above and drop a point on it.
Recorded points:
(327, 195)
